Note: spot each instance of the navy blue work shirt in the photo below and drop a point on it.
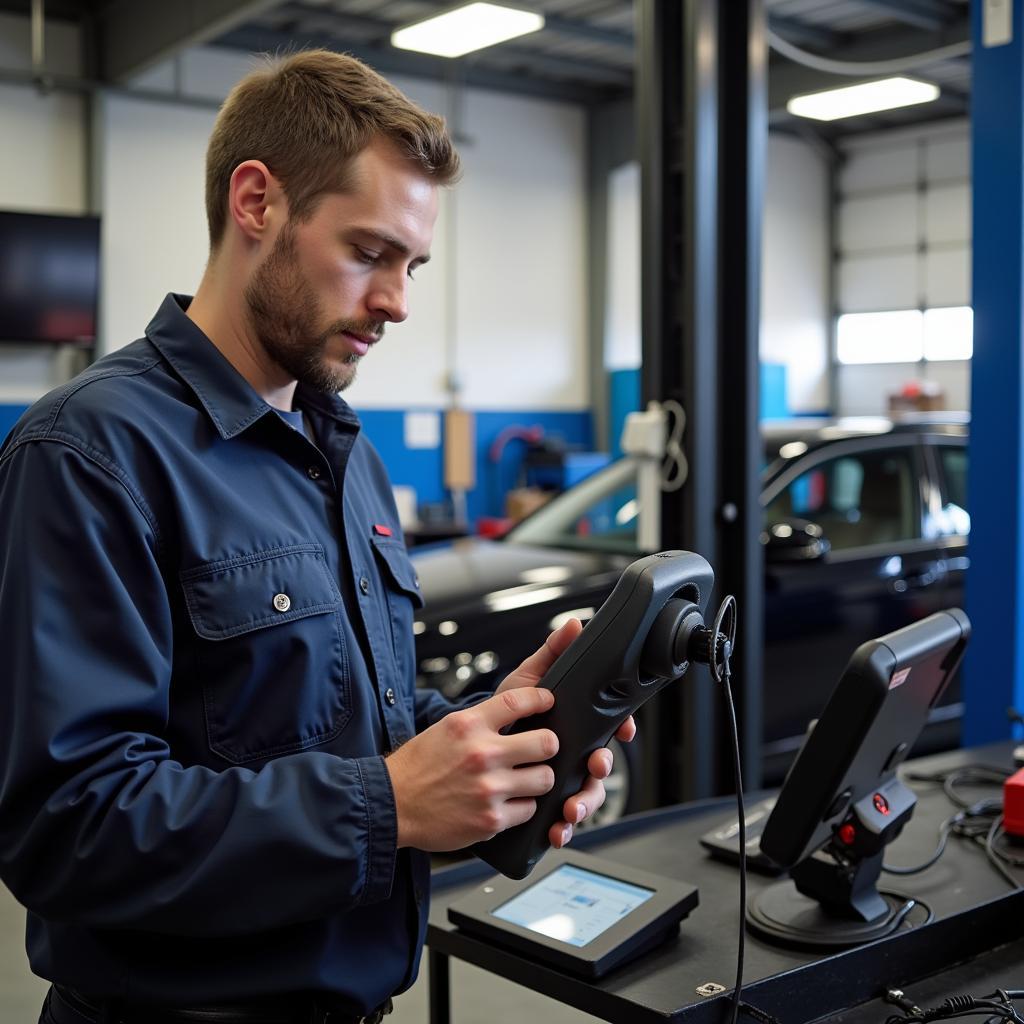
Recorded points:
(206, 625)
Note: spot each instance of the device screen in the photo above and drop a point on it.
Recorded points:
(573, 905)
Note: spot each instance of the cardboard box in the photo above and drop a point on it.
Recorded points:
(521, 501)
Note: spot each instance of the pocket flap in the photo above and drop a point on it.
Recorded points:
(399, 568)
(266, 588)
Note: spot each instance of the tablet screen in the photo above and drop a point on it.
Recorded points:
(573, 905)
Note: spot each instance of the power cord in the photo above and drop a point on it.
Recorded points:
(675, 468)
(721, 642)
(980, 821)
(998, 1006)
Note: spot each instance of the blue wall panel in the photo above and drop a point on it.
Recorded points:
(423, 469)
(9, 415)
(993, 676)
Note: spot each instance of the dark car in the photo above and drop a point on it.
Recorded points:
(865, 530)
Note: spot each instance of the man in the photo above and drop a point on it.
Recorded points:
(218, 778)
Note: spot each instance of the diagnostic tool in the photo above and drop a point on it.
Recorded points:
(579, 913)
(642, 638)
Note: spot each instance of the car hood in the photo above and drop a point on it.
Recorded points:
(503, 574)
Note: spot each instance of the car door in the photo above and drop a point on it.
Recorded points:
(951, 522)
(877, 572)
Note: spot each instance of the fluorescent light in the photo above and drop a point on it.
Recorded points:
(895, 336)
(949, 333)
(866, 98)
(466, 29)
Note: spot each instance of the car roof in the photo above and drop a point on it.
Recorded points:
(814, 431)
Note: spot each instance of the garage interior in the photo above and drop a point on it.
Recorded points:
(642, 218)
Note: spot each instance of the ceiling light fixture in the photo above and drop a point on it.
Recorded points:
(466, 29)
(866, 98)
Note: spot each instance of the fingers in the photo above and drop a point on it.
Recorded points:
(514, 784)
(534, 667)
(576, 809)
(600, 763)
(559, 834)
(508, 706)
(579, 807)
(626, 731)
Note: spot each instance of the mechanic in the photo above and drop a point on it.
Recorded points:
(219, 783)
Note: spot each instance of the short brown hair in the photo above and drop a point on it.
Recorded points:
(307, 117)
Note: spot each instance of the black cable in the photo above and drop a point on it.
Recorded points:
(978, 820)
(994, 857)
(944, 832)
(721, 648)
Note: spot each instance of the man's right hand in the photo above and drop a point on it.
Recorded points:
(458, 783)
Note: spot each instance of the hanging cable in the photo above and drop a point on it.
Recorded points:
(675, 468)
(869, 67)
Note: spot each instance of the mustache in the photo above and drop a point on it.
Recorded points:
(364, 328)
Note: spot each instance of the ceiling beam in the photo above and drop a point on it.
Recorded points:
(389, 61)
(298, 20)
(132, 35)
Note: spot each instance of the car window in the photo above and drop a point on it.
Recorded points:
(857, 499)
(953, 460)
(598, 514)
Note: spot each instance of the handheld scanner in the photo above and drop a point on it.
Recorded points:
(641, 639)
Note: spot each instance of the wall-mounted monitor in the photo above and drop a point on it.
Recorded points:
(49, 278)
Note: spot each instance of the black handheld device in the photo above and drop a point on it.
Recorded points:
(641, 638)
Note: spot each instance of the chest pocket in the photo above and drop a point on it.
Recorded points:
(402, 591)
(270, 651)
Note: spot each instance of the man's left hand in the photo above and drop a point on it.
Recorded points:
(581, 806)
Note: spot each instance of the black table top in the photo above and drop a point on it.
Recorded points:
(974, 909)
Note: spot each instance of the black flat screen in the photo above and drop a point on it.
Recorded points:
(49, 278)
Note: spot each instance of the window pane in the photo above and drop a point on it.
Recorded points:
(857, 500)
(949, 333)
(891, 337)
(954, 470)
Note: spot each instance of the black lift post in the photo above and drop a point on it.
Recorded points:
(702, 125)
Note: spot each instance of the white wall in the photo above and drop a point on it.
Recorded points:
(503, 299)
(795, 268)
(622, 329)
(795, 271)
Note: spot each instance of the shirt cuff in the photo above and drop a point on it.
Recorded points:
(381, 829)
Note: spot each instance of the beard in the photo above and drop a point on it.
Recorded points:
(287, 320)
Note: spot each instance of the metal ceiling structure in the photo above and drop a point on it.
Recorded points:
(585, 53)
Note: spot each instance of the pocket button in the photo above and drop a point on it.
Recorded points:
(282, 602)
(389, 696)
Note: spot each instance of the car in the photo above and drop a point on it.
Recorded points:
(865, 529)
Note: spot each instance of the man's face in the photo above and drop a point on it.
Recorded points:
(321, 297)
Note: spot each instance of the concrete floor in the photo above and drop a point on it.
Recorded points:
(476, 995)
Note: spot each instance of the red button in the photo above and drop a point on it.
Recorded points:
(881, 804)
(847, 834)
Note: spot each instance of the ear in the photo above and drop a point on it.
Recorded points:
(252, 196)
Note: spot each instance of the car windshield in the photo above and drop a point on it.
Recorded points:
(598, 514)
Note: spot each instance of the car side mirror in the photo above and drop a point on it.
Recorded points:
(794, 540)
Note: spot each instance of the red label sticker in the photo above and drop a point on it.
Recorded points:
(899, 678)
(383, 531)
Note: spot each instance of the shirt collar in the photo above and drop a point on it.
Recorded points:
(228, 398)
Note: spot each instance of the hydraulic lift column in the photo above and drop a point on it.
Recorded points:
(701, 115)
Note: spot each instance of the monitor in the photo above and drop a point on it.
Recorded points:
(842, 801)
(49, 278)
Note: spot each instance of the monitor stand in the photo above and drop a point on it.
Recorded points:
(831, 900)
